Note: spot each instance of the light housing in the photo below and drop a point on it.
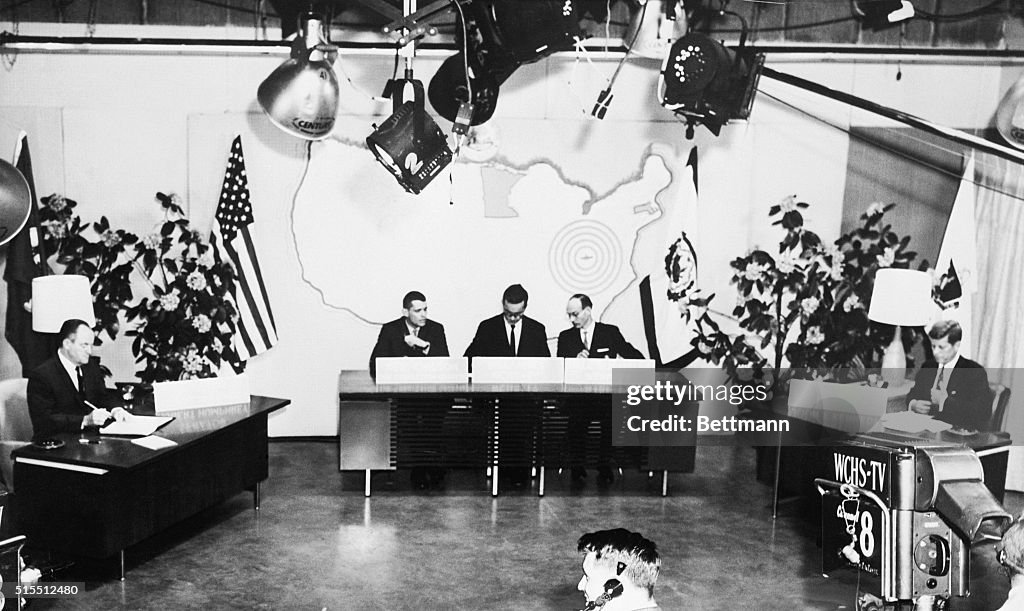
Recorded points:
(15, 201)
(301, 95)
(409, 143)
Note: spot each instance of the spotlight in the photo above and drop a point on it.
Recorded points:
(15, 201)
(301, 95)
(409, 144)
(880, 14)
(655, 26)
(707, 83)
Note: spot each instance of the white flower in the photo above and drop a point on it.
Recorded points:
(205, 260)
(787, 262)
(754, 271)
(836, 270)
(887, 258)
(110, 238)
(875, 209)
(201, 323)
(788, 203)
(56, 229)
(170, 301)
(152, 241)
(196, 281)
(809, 305)
(57, 203)
(852, 303)
(191, 362)
(815, 336)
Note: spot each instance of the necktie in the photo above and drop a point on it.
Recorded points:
(81, 381)
(512, 340)
(938, 378)
(586, 339)
(416, 331)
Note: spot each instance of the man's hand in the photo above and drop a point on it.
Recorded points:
(414, 341)
(120, 414)
(920, 406)
(584, 354)
(97, 418)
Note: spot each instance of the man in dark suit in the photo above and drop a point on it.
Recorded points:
(411, 335)
(952, 387)
(587, 338)
(512, 333)
(66, 393)
(415, 335)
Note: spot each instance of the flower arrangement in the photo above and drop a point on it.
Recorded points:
(183, 329)
(805, 306)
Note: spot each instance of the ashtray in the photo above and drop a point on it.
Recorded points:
(48, 444)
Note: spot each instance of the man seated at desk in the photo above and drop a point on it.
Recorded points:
(415, 335)
(952, 388)
(66, 393)
(588, 338)
(512, 333)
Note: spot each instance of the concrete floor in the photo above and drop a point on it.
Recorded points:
(317, 543)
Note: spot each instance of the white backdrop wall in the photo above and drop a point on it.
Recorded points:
(110, 130)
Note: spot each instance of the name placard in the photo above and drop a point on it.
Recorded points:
(599, 371)
(205, 392)
(425, 370)
(517, 370)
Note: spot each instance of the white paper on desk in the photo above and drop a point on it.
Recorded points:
(153, 442)
(136, 425)
(913, 422)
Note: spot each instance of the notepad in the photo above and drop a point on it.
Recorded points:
(153, 442)
(136, 426)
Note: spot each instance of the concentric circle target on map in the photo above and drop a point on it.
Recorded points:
(585, 256)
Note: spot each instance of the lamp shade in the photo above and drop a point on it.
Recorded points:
(15, 201)
(901, 297)
(59, 298)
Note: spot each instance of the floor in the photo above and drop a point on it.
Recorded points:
(317, 543)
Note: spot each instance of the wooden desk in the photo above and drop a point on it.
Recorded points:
(95, 500)
(372, 416)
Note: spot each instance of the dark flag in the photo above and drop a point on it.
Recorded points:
(256, 331)
(25, 261)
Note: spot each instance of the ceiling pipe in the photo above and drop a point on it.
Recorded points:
(949, 133)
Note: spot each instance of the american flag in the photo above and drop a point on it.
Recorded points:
(256, 331)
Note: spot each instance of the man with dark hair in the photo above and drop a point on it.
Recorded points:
(951, 387)
(587, 338)
(1010, 554)
(66, 393)
(510, 333)
(620, 569)
(411, 335)
(415, 335)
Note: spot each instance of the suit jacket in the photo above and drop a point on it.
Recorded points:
(54, 404)
(490, 338)
(969, 398)
(607, 343)
(391, 341)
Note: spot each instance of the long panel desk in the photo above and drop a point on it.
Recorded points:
(95, 500)
(378, 422)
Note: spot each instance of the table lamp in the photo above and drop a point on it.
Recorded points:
(900, 297)
(58, 298)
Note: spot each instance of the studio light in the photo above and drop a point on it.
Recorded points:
(881, 14)
(498, 37)
(706, 83)
(301, 95)
(409, 144)
(15, 201)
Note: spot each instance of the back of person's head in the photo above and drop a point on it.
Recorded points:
(1010, 551)
(949, 329)
(515, 294)
(69, 328)
(410, 297)
(638, 555)
(585, 301)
